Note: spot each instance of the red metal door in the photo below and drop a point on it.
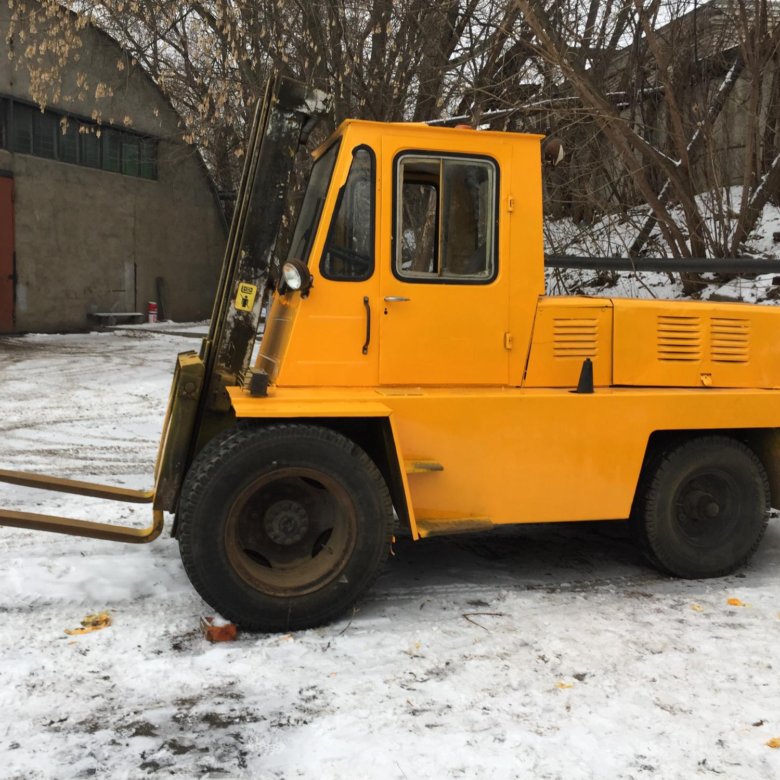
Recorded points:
(6, 254)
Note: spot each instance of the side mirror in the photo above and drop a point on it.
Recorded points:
(552, 151)
(296, 276)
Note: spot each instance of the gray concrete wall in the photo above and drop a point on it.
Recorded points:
(90, 239)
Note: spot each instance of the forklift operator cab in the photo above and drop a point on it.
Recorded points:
(408, 281)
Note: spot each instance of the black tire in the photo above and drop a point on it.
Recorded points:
(283, 527)
(703, 507)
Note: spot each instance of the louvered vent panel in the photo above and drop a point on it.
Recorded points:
(679, 338)
(575, 338)
(729, 340)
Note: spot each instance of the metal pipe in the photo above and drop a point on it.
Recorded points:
(696, 265)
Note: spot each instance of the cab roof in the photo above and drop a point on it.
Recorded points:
(421, 133)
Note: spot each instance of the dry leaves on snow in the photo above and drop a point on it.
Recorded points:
(91, 623)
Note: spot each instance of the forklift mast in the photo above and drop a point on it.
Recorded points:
(283, 121)
(198, 405)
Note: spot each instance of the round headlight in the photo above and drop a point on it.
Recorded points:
(292, 276)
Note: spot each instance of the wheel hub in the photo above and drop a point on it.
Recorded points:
(701, 505)
(706, 507)
(286, 522)
(711, 509)
(291, 531)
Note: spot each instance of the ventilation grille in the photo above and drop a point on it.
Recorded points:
(575, 338)
(729, 340)
(679, 338)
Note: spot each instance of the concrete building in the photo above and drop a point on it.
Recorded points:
(99, 196)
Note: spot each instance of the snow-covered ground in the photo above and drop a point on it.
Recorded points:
(548, 652)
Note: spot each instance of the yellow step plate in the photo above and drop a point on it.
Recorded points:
(422, 466)
(452, 525)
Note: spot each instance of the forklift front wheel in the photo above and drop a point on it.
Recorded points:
(283, 527)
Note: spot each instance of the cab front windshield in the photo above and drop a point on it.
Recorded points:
(311, 208)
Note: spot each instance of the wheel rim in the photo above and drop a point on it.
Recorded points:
(708, 507)
(291, 532)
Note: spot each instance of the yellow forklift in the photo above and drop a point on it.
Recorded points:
(412, 375)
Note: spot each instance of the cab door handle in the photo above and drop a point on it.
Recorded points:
(396, 299)
(367, 304)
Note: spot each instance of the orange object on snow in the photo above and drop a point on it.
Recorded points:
(225, 632)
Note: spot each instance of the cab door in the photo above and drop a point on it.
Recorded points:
(444, 299)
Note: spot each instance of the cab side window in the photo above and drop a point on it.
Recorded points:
(445, 219)
(349, 250)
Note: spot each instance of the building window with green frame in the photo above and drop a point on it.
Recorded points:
(55, 135)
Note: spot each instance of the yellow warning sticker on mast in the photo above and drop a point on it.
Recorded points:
(245, 298)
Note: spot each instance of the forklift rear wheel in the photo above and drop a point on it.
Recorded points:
(704, 507)
(283, 527)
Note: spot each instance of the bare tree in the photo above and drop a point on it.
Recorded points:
(656, 89)
(380, 59)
